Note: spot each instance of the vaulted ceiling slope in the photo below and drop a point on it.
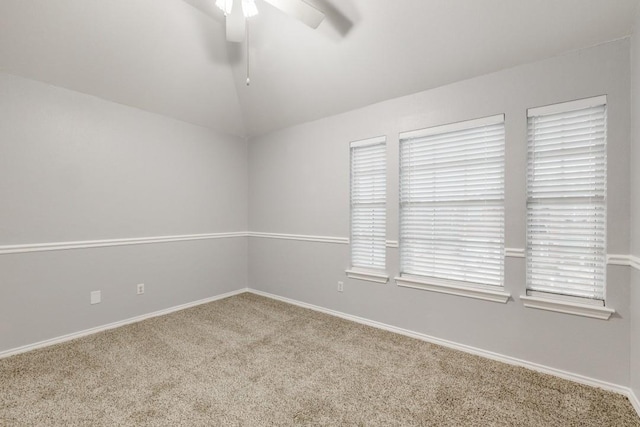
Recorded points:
(170, 56)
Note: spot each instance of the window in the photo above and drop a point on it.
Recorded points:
(368, 207)
(452, 203)
(566, 199)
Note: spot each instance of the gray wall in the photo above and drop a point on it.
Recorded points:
(635, 206)
(299, 184)
(74, 167)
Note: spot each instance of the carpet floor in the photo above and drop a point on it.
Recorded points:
(253, 361)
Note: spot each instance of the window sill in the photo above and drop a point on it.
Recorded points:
(559, 306)
(367, 275)
(453, 288)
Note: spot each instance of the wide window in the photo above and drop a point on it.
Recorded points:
(368, 204)
(452, 202)
(566, 199)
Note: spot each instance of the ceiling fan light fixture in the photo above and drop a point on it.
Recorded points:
(225, 5)
(249, 7)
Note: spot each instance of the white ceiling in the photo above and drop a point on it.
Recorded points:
(171, 57)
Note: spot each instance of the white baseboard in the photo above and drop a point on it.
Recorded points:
(467, 349)
(75, 335)
(635, 402)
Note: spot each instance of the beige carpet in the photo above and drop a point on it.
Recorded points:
(252, 361)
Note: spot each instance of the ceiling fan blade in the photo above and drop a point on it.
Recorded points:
(236, 23)
(300, 10)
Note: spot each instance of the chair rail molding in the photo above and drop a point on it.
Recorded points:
(86, 244)
(612, 259)
(514, 252)
(300, 237)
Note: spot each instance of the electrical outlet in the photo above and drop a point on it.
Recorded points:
(140, 289)
(96, 297)
(340, 286)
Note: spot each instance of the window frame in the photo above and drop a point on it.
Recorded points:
(377, 275)
(557, 301)
(495, 293)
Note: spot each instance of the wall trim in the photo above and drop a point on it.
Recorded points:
(113, 325)
(450, 287)
(635, 402)
(581, 379)
(514, 252)
(619, 259)
(301, 237)
(567, 307)
(86, 244)
(369, 276)
(612, 259)
(625, 260)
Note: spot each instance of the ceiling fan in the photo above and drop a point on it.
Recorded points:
(237, 11)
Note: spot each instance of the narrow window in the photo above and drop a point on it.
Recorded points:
(452, 202)
(368, 204)
(566, 199)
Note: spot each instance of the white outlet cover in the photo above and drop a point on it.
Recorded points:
(96, 297)
(140, 289)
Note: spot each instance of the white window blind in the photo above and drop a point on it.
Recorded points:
(452, 202)
(566, 199)
(368, 203)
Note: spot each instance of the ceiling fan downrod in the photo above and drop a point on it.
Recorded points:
(247, 54)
